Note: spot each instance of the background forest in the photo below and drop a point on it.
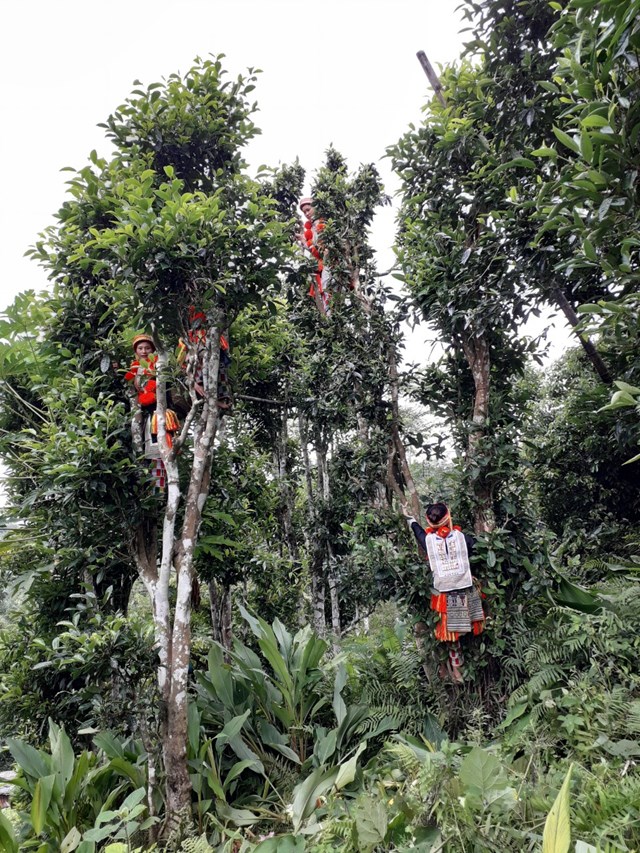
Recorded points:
(246, 661)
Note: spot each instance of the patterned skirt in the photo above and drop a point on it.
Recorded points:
(460, 613)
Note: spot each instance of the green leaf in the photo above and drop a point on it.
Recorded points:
(619, 400)
(586, 146)
(134, 798)
(282, 844)
(523, 162)
(233, 727)
(8, 841)
(220, 677)
(307, 793)
(62, 758)
(193, 727)
(109, 744)
(286, 751)
(571, 595)
(40, 802)
(325, 746)
(371, 823)
(594, 120)
(99, 833)
(545, 152)
(481, 773)
(239, 767)
(71, 840)
(269, 646)
(238, 817)
(557, 828)
(583, 847)
(630, 389)
(77, 780)
(347, 770)
(130, 771)
(604, 208)
(513, 714)
(589, 308)
(339, 707)
(566, 140)
(33, 762)
(589, 251)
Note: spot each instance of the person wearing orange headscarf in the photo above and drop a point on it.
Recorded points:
(197, 338)
(142, 372)
(455, 596)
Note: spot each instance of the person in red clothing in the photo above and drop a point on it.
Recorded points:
(142, 372)
(197, 339)
(455, 595)
(311, 239)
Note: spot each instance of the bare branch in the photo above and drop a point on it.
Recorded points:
(180, 440)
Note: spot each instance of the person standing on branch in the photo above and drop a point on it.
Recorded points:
(455, 596)
(142, 372)
(311, 240)
(197, 341)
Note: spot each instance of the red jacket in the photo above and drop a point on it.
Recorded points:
(143, 379)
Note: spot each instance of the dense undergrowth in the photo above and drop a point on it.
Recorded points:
(294, 747)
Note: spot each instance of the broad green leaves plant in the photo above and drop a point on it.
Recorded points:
(74, 799)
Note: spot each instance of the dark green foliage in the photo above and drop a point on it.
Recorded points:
(522, 189)
(581, 691)
(72, 802)
(198, 129)
(92, 670)
(586, 494)
(591, 199)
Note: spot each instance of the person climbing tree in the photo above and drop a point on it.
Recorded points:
(311, 240)
(142, 372)
(197, 341)
(456, 596)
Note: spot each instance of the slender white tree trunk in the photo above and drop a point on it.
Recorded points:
(173, 635)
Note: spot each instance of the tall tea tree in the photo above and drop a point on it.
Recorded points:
(171, 220)
(454, 251)
(343, 386)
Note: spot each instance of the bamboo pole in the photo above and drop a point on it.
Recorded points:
(432, 76)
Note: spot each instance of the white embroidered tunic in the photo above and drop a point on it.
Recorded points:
(449, 561)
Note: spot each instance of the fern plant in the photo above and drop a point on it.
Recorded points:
(196, 845)
(386, 674)
(580, 687)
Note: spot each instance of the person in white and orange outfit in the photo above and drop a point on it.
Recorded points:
(456, 596)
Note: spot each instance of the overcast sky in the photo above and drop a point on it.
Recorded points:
(342, 73)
